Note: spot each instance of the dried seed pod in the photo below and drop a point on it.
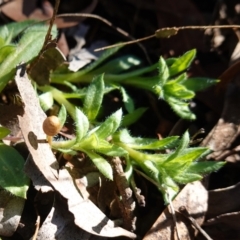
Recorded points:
(51, 125)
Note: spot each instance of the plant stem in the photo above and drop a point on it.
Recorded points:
(79, 77)
(59, 97)
(63, 144)
(136, 155)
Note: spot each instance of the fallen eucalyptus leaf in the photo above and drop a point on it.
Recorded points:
(86, 215)
(194, 197)
(58, 222)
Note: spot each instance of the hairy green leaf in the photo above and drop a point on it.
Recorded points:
(108, 127)
(93, 98)
(186, 177)
(186, 155)
(103, 166)
(182, 63)
(82, 124)
(198, 84)
(168, 188)
(4, 33)
(163, 71)
(183, 143)
(127, 100)
(16, 28)
(28, 47)
(170, 61)
(205, 167)
(108, 149)
(177, 91)
(146, 143)
(90, 142)
(180, 79)
(150, 169)
(62, 115)
(46, 101)
(5, 51)
(181, 108)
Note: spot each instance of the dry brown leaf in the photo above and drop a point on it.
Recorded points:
(49, 60)
(44, 168)
(226, 130)
(231, 219)
(222, 227)
(194, 197)
(20, 10)
(11, 208)
(59, 224)
(223, 201)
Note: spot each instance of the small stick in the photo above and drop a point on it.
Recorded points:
(127, 204)
(137, 192)
(104, 20)
(48, 35)
(37, 228)
(168, 32)
(174, 218)
(186, 214)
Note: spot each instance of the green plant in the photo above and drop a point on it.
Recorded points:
(108, 139)
(171, 84)
(27, 48)
(12, 177)
(101, 141)
(30, 40)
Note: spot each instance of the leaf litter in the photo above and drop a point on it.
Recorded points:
(215, 137)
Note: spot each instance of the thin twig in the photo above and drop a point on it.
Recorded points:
(168, 32)
(48, 35)
(121, 31)
(37, 228)
(127, 203)
(207, 27)
(125, 43)
(174, 217)
(137, 192)
(89, 15)
(186, 214)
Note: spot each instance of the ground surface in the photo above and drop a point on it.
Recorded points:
(217, 109)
